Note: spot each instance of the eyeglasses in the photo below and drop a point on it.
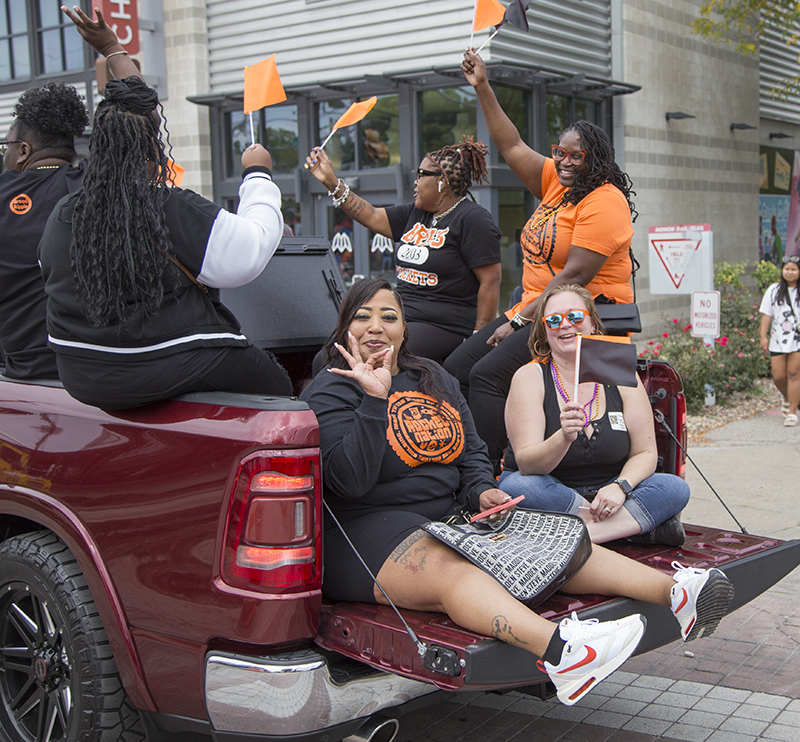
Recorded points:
(4, 145)
(573, 316)
(576, 157)
(430, 173)
(791, 259)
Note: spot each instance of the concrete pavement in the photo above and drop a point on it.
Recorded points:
(739, 685)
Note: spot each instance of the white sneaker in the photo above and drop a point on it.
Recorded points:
(699, 600)
(593, 651)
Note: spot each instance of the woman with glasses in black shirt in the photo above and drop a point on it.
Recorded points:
(448, 259)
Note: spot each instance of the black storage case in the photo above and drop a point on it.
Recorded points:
(293, 304)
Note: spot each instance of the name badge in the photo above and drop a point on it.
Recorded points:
(617, 421)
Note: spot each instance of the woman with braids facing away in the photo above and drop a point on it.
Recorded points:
(132, 269)
(448, 260)
(580, 233)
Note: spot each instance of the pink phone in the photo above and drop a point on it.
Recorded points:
(497, 509)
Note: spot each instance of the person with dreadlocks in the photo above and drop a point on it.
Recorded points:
(132, 268)
(37, 158)
(580, 233)
(448, 260)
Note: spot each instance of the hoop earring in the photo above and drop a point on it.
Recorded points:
(536, 349)
(440, 186)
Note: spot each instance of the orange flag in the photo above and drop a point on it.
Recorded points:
(262, 85)
(356, 112)
(175, 173)
(487, 13)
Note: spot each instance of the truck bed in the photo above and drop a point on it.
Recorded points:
(374, 635)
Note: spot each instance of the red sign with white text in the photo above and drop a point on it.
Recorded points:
(123, 17)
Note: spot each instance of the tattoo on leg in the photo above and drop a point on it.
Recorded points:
(410, 553)
(503, 631)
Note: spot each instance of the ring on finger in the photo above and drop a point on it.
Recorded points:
(606, 510)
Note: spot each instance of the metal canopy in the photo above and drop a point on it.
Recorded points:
(516, 75)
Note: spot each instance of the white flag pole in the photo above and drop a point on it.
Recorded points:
(327, 139)
(252, 131)
(496, 31)
(577, 367)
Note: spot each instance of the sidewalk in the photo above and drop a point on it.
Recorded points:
(739, 685)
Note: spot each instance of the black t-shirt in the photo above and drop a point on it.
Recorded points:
(434, 264)
(26, 200)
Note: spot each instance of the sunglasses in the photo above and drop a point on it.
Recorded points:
(420, 173)
(576, 157)
(573, 316)
(791, 259)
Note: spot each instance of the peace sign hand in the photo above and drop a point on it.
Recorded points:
(374, 375)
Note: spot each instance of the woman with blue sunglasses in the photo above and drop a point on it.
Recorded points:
(595, 455)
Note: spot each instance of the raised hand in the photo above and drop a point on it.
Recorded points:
(473, 68)
(97, 34)
(320, 166)
(373, 374)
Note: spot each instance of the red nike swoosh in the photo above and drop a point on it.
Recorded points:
(683, 602)
(590, 657)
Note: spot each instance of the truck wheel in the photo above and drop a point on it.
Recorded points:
(58, 678)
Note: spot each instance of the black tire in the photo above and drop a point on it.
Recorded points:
(58, 678)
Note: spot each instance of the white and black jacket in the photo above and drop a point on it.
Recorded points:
(222, 250)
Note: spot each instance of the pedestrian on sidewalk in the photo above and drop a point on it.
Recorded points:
(780, 335)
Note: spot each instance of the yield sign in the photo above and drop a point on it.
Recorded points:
(675, 253)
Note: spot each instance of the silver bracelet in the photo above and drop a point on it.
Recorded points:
(339, 184)
(337, 202)
(115, 53)
(522, 320)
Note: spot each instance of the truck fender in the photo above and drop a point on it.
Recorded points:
(54, 516)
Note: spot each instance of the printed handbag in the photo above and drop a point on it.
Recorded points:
(530, 553)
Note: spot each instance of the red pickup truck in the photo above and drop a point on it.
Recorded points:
(160, 573)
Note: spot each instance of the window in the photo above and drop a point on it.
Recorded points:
(445, 116)
(516, 104)
(373, 142)
(274, 127)
(561, 112)
(37, 39)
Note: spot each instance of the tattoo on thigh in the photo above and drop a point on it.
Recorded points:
(410, 553)
(502, 630)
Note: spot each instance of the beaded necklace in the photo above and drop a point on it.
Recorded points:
(549, 213)
(559, 384)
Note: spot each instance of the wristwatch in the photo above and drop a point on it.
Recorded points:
(624, 486)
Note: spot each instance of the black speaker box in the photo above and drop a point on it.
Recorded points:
(293, 304)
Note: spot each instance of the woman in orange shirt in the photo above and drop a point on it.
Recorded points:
(580, 233)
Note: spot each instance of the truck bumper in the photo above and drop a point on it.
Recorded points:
(294, 694)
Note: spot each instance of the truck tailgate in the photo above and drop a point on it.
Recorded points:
(374, 635)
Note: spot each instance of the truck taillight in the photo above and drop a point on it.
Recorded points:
(272, 530)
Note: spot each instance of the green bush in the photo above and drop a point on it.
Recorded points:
(735, 359)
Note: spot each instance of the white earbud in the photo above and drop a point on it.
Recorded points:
(440, 186)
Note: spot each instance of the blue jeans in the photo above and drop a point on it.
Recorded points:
(652, 501)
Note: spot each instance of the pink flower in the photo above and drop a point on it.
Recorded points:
(652, 342)
(687, 328)
(694, 347)
(723, 341)
(666, 335)
(675, 320)
(658, 347)
(741, 355)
